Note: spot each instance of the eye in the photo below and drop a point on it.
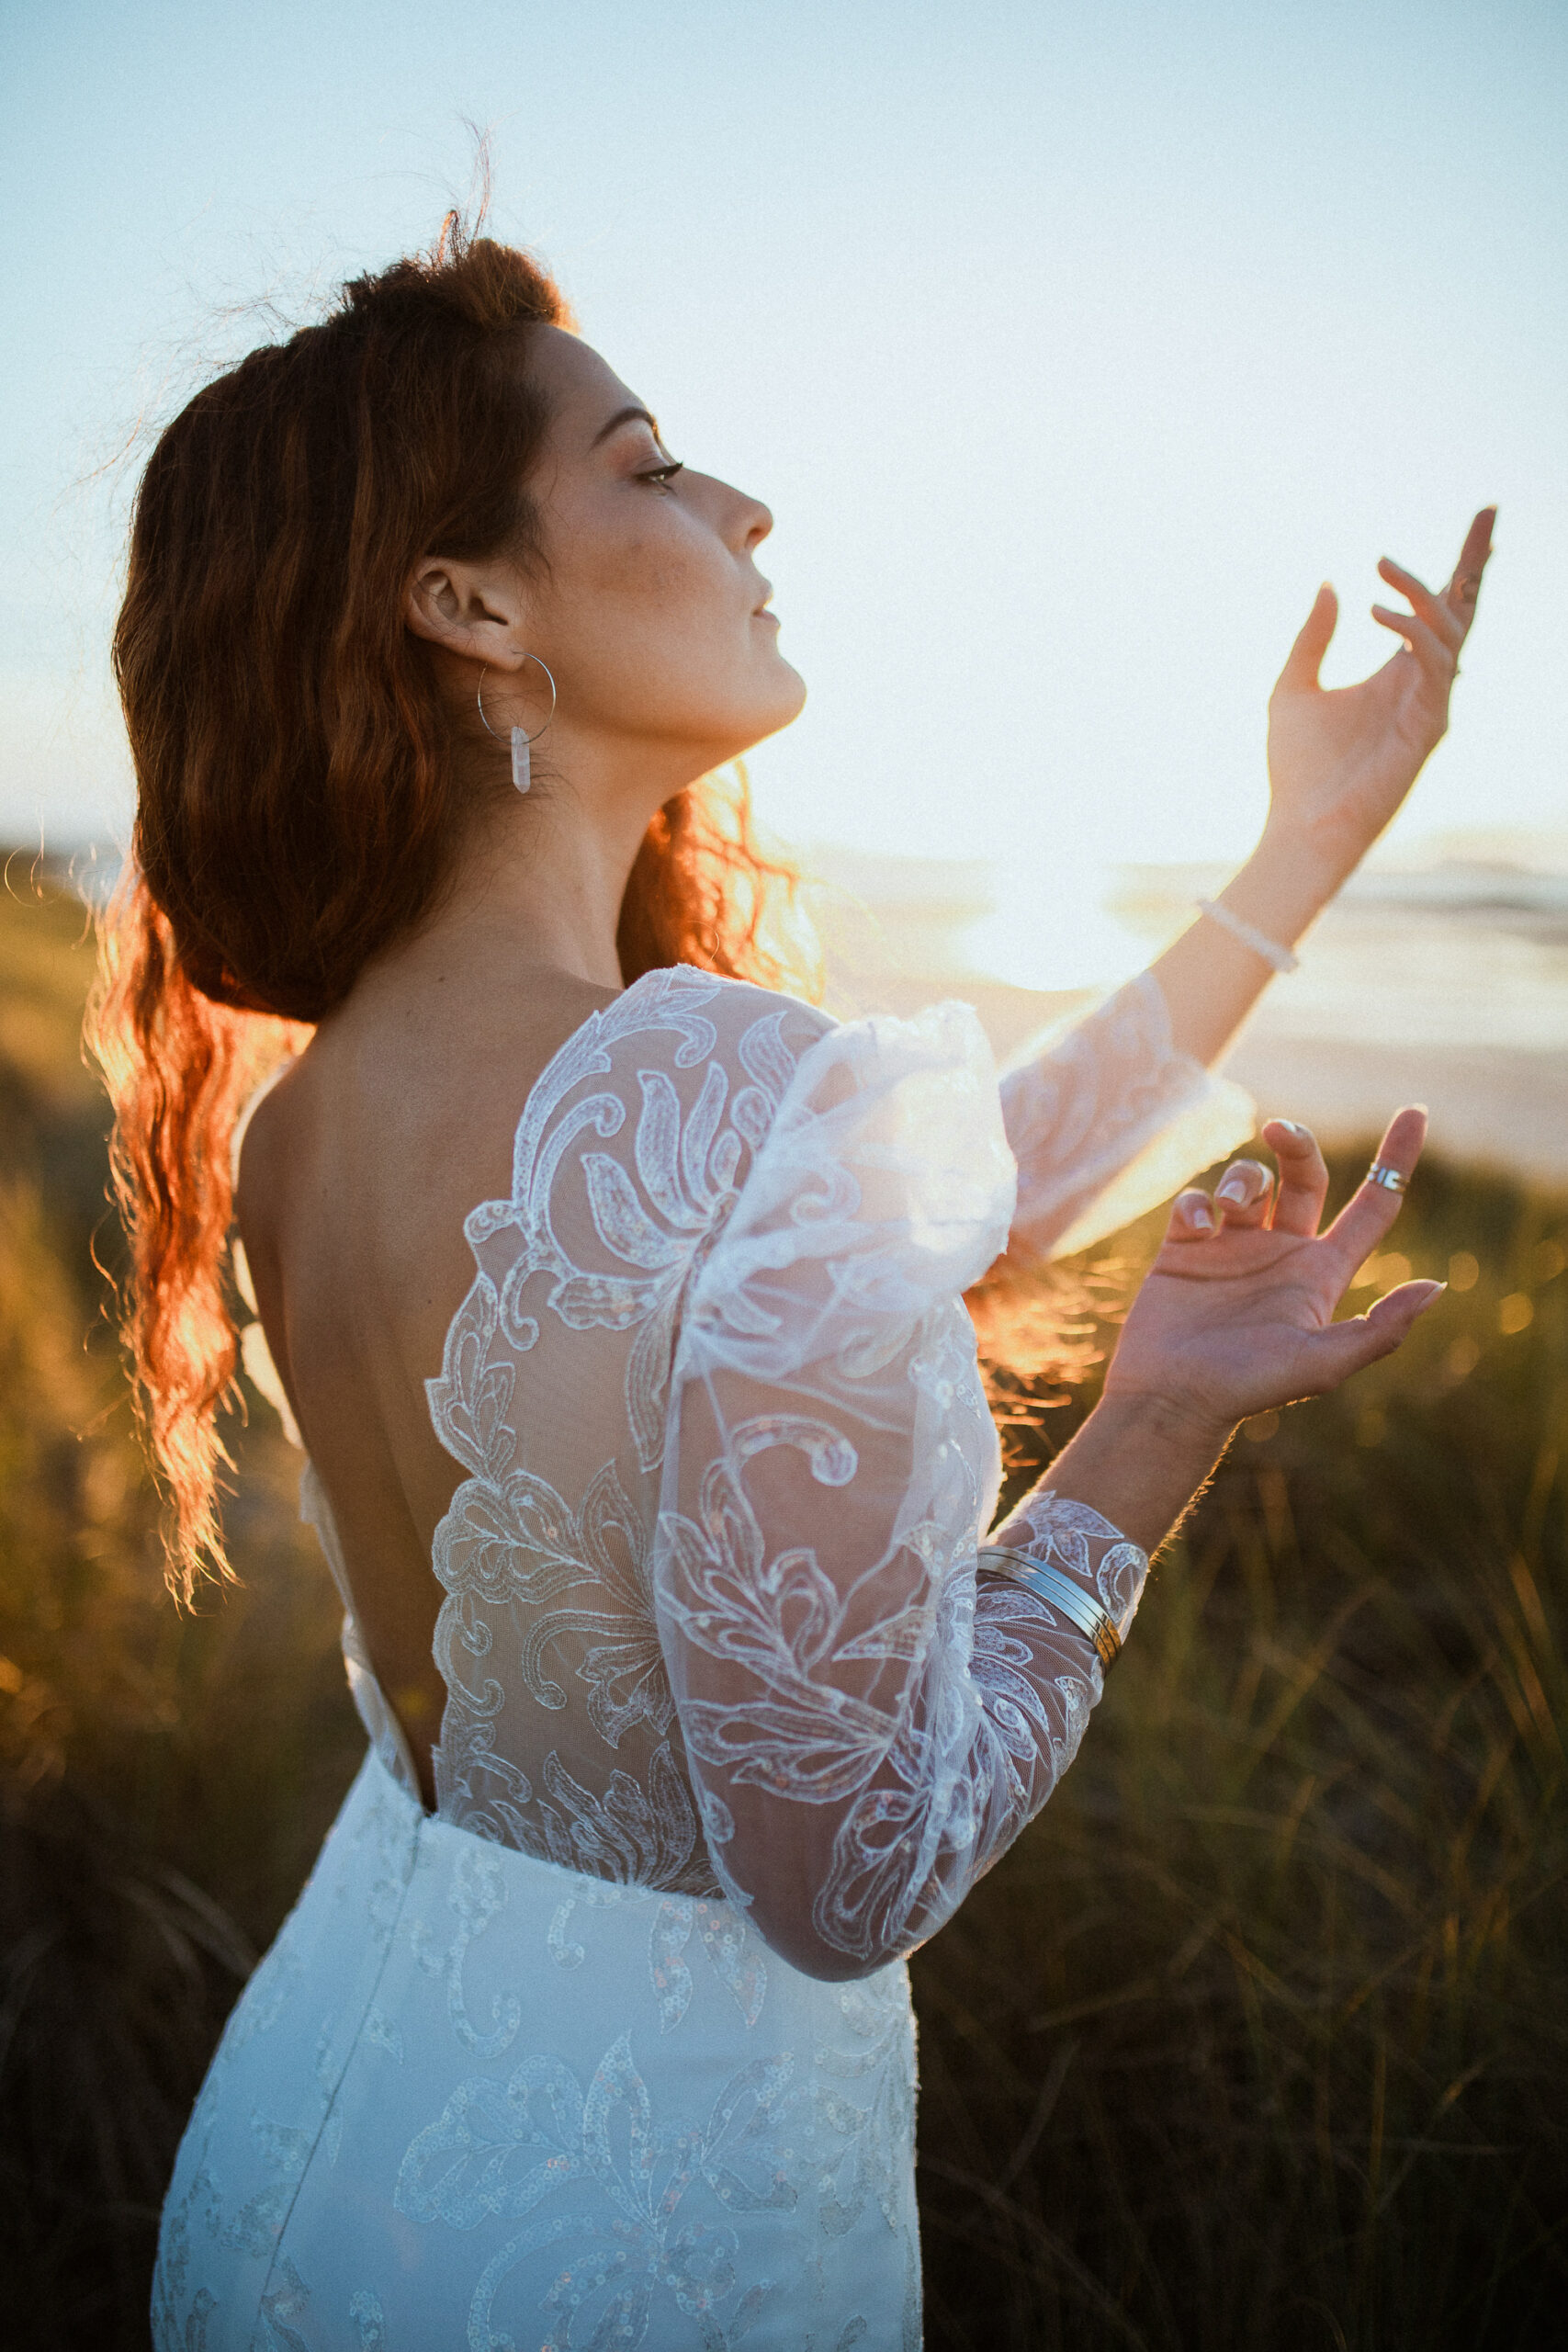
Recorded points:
(664, 473)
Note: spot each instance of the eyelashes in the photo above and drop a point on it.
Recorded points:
(664, 473)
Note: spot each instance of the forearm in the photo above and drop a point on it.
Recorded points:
(1132, 1470)
(981, 1736)
(1210, 979)
(1139, 1462)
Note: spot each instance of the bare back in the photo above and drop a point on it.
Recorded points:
(357, 1174)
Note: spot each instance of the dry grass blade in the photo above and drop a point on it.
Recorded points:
(1256, 2040)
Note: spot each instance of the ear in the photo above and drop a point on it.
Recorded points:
(467, 608)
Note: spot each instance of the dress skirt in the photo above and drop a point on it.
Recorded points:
(473, 2099)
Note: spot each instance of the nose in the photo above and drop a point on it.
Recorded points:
(754, 523)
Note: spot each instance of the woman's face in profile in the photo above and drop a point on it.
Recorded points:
(649, 608)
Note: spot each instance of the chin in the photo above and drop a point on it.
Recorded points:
(769, 703)
(793, 693)
(785, 712)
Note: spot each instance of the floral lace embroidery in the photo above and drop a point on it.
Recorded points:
(511, 1545)
(369, 2320)
(733, 1950)
(757, 1225)
(507, 2149)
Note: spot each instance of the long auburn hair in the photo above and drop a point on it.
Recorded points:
(298, 798)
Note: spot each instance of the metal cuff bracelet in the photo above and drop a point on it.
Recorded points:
(1060, 1592)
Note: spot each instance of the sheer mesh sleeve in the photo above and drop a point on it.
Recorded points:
(1110, 1120)
(711, 1615)
(867, 1725)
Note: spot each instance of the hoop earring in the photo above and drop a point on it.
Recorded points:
(521, 770)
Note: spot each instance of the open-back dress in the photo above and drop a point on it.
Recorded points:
(615, 2046)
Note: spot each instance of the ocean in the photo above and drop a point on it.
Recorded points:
(1438, 977)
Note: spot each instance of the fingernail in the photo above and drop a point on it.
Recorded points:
(1234, 1188)
(1292, 1127)
(1201, 1215)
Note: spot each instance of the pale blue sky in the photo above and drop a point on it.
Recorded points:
(1072, 345)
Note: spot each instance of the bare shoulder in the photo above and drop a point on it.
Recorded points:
(359, 1167)
(406, 1088)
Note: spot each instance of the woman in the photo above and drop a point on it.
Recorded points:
(618, 1299)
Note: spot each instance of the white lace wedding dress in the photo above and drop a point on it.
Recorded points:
(616, 2049)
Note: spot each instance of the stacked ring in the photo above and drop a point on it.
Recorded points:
(1380, 1172)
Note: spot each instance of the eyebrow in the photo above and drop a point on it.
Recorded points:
(624, 416)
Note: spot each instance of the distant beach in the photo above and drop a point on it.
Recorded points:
(1439, 976)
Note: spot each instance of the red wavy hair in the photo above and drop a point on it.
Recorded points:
(297, 800)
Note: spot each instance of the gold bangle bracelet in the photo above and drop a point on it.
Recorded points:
(1059, 1592)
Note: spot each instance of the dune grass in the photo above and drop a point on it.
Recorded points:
(1255, 2039)
(164, 1778)
(1258, 2038)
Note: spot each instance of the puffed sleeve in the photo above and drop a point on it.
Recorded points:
(1109, 1120)
(867, 1724)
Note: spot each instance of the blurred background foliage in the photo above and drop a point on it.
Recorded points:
(1255, 2039)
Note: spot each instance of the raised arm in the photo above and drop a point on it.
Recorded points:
(1121, 1110)
(1341, 762)
(1109, 1121)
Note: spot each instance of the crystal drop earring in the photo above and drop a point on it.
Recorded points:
(522, 763)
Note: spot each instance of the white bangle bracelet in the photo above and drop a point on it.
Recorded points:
(1258, 940)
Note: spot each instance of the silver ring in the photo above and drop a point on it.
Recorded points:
(1380, 1172)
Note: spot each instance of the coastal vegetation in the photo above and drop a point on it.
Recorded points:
(1255, 2039)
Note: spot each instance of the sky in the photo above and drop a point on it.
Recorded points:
(1071, 345)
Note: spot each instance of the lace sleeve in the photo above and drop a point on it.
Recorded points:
(1110, 1121)
(867, 1724)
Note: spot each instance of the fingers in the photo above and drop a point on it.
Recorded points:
(1465, 586)
(1439, 615)
(1429, 650)
(1372, 1208)
(1435, 626)
(1303, 1179)
(1397, 1311)
(1243, 1196)
(1341, 1349)
(1245, 1193)
(1191, 1216)
(1306, 658)
(1434, 629)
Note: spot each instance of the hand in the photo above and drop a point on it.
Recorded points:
(1238, 1312)
(1341, 761)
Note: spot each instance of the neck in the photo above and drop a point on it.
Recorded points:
(550, 869)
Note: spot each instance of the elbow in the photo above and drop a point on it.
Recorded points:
(810, 1957)
(783, 1868)
(791, 1932)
